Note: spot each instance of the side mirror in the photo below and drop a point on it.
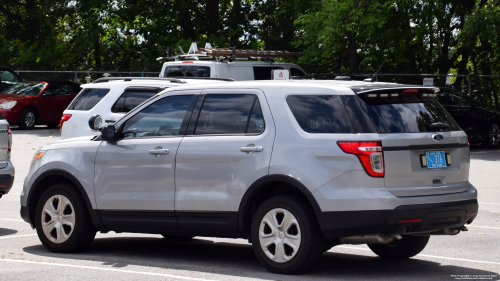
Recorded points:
(95, 122)
(108, 133)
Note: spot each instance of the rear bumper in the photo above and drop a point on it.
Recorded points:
(433, 217)
(6, 178)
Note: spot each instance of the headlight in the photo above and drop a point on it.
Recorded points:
(8, 105)
(38, 155)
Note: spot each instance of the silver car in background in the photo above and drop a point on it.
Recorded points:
(6, 168)
(295, 167)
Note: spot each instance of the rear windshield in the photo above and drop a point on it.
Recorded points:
(26, 88)
(320, 114)
(187, 71)
(406, 113)
(88, 98)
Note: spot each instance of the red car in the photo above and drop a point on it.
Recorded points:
(30, 103)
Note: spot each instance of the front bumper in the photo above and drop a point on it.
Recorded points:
(433, 217)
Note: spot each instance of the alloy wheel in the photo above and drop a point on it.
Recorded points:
(29, 119)
(279, 235)
(494, 134)
(58, 219)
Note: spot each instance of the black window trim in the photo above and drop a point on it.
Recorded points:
(182, 130)
(192, 126)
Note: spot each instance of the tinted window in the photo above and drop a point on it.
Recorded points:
(256, 123)
(130, 99)
(263, 73)
(88, 98)
(26, 88)
(407, 113)
(320, 114)
(7, 77)
(59, 90)
(224, 114)
(187, 71)
(162, 118)
(296, 72)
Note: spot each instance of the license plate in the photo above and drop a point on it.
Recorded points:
(435, 159)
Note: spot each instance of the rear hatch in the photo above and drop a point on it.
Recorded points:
(5, 140)
(425, 151)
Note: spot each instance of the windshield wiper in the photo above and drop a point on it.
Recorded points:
(434, 126)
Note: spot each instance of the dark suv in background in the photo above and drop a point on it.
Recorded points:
(482, 125)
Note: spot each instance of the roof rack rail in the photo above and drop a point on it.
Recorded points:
(171, 79)
(209, 53)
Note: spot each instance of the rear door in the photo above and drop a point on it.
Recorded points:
(425, 151)
(222, 154)
(53, 101)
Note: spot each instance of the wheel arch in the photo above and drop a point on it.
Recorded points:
(267, 187)
(51, 177)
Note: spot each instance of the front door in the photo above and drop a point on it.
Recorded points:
(229, 148)
(134, 176)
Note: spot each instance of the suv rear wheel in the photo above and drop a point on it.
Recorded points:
(62, 220)
(285, 235)
(408, 247)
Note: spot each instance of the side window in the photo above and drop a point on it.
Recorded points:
(131, 99)
(444, 99)
(296, 72)
(230, 114)
(320, 114)
(88, 98)
(457, 100)
(162, 118)
(263, 72)
(58, 90)
(7, 77)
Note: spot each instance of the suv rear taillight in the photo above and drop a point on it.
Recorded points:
(369, 154)
(64, 118)
(9, 145)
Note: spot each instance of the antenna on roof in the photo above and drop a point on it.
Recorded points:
(380, 68)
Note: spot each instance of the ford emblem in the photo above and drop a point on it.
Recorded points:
(437, 137)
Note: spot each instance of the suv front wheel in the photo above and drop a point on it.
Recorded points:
(62, 220)
(285, 235)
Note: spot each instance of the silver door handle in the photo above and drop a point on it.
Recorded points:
(251, 149)
(159, 151)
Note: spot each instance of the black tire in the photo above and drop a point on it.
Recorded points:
(406, 248)
(312, 243)
(27, 119)
(83, 232)
(491, 135)
(177, 237)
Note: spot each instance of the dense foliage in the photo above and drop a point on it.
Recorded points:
(338, 36)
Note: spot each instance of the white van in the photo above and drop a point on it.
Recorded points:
(229, 63)
(237, 70)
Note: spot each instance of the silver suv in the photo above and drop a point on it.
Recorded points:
(295, 167)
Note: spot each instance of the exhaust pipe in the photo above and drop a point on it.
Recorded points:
(378, 238)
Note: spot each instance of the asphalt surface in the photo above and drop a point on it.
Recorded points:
(472, 255)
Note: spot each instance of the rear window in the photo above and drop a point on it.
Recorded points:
(187, 71)
(320, 114)
(88, 98)
(406, 113)
(131, 99)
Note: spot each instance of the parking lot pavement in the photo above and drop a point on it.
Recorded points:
(471, 255)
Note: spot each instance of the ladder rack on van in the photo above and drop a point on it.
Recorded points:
(218, 54)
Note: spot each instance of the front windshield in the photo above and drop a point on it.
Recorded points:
(26, 88)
